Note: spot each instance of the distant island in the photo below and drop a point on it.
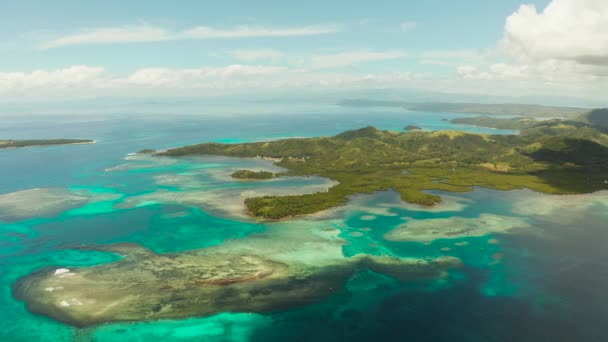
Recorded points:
(555, 157)
(42, 142)
(472, 108)
(412, 128)
(247, 174)
(498, 123)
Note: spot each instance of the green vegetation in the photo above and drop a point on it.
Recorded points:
(146, 151)
(499, 123)
(472, 108)
(41, 142)
(248, 174)
(552, 157)
(412, 128)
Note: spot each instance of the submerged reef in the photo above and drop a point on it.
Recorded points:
(23, 204)
(275, 270)
(454, 228)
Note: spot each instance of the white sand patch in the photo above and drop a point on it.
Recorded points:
(454, 227)
(61, 271)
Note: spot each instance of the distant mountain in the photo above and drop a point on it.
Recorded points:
(596, 117)
(472, 108)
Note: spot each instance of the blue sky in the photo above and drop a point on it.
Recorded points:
(197, 48)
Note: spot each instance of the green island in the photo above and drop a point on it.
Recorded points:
(554, 157)
(412, 128)
(248, 174)
(42, 142)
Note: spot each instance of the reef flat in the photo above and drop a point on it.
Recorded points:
(42, 142)
(42, 202)
(275, 270)
(454, 228)
(553, 158)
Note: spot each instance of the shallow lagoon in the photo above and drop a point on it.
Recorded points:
(539, 282)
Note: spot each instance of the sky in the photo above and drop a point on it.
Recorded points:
(65, 50)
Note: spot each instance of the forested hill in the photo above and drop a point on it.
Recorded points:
(549, 159)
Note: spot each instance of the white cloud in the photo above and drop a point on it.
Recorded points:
(407, 26)
(72, 77)
(199, 77)
(566, 30)
(345, 59)
(257, 54)
(145, 33)
(86, 81)
(563, 47)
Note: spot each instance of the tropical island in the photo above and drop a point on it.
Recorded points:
(42, 142)
(248, 174)
(554, 157)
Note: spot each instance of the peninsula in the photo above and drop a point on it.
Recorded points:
(42, 142)
(471, 108)
(498, 123)
(551, 157)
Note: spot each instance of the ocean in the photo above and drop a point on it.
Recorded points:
(542, 282)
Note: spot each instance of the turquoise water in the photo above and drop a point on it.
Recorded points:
(542, 283)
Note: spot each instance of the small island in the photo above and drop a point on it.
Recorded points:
(253, 175)
(412, 128)
(554, 157)
(42, 142)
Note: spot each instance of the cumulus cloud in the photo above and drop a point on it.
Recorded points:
(146, 33)
(566, 30)
(565, 42)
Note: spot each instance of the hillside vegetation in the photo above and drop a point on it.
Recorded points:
(553, 158)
